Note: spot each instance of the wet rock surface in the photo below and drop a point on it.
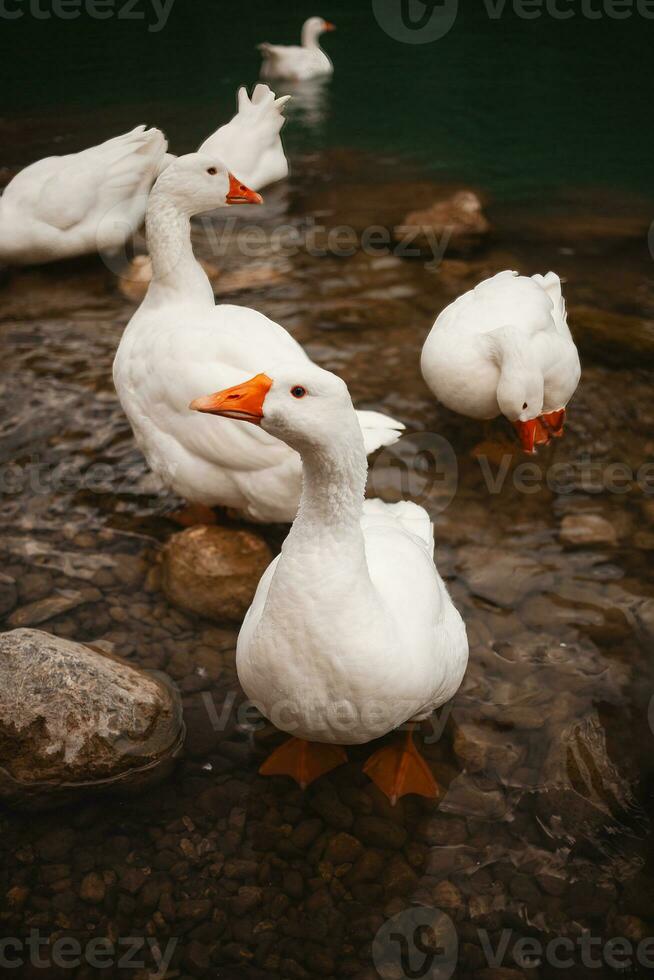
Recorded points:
(73, 718)
(458, 223)
(214, 571)
(543, 757)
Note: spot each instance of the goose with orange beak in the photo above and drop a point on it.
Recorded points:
(179, 343)
(299, 62)
(352, 632)
(505, 348)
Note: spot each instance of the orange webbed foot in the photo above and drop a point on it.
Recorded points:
(303, 761)
(398, 769)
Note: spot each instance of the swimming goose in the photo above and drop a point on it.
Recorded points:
(179, 342)
(505, 348)
(351, 632)
(95, 200)
(64, 206)
(298, 62)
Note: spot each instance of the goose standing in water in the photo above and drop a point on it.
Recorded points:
(179, 342)
(505, 348)
(351, 632)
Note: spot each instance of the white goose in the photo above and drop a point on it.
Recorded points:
(250, 144)
(298, 62)
(95, 200)
(505, 348)
(179, 342)
(351, 632)
(72, 205)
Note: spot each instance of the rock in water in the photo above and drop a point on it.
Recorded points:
(456, 225)
(75, 719)
(214, 571)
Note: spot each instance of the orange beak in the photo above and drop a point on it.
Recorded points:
(243, 402)
(240, 194)
(328, 26)
(554, 422)
(532, 433)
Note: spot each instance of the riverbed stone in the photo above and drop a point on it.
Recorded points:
(456, 224)
(586, 529)
(8, 594)
(214, 571)
(73, 718)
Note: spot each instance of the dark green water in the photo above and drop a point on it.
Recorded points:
(522, 108)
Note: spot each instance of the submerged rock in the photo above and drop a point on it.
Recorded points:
(584, 529)
(74, 719)
(214, 571)
(616, 339)
(456, 225)
(8, 594)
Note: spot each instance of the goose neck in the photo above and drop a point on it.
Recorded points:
(333, 489)
(174, 266)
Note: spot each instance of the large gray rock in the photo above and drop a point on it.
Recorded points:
(73, 718)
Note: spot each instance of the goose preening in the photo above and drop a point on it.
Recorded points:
(95, 200)
(298, 62)
(250, 144)
(179, 343)
(505, 348)
(351, 632)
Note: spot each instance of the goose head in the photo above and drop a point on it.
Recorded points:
(303, 405)
(313, 28)
(520, 395)
(199, 182)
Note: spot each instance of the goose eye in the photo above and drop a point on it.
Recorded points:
(525, 405)
(298, 391)
(212, 171)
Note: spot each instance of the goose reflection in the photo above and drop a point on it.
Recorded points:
(310, 100)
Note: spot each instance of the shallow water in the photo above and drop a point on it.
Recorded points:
(544, 755)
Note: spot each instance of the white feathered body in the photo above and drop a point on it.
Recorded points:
(65, 206)
(523, 316)
(250, 144)
(172, 350)
(333, 650)
(294, 62)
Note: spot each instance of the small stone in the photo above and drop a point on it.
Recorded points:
(380, 833)
(16, 897)
(43, 609)
(343, 849)
(214, 571)
(293, 884)
(133, 880)
(333, 812)
(458, 223)
(399, 878)
(247, 898)
(586, 529)
(448, 898)
(305, 833)
(8, 594)
(92, 888)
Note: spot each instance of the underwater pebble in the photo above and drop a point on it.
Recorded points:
(214, 571)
